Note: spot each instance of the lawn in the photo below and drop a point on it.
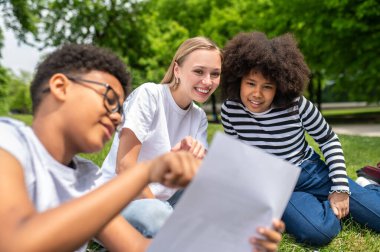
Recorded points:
(359, 151)
(351, 111)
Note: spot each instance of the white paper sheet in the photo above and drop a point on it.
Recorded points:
(237, 189)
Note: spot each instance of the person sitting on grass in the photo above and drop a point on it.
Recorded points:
(262, 81)
(48, 197)
(160, 118)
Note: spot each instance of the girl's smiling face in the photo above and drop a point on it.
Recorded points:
(256, 92)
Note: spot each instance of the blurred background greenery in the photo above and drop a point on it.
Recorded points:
(339, 38)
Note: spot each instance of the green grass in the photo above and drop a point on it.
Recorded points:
(359, 151)
(351, 111)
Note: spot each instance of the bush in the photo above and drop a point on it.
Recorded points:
(4, 91)
(21, 102)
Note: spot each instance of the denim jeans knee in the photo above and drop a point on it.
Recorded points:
(147, 215)
(309, 220)
(308, 215)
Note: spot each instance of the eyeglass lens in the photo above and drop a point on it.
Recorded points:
(112, 100)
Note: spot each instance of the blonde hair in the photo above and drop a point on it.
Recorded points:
(187, 47)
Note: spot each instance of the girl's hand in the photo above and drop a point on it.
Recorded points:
(191, 145)
(340, 204)
(272, 237)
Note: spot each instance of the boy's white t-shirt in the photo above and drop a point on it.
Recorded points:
(159, 123)
(49, 183)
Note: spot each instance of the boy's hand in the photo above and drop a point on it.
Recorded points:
(191, 145)
(273, 237)
(340, 204)
(174, 169)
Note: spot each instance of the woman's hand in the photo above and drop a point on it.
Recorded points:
(191, 145)
(272, 237)
(340, 204)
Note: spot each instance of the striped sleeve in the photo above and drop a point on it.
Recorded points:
(317, 127)
(225, 116)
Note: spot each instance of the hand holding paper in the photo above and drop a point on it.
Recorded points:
(237, 189)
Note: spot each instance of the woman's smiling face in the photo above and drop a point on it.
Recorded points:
(199, 76)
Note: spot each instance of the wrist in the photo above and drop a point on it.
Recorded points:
(340, 191)
(147, 171)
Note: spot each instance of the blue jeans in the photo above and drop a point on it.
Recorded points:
(147, 215)
(308, 215)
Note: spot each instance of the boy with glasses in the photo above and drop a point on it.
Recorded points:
(49, 201)
(110, 97)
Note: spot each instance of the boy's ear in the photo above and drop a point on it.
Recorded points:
(58, 85)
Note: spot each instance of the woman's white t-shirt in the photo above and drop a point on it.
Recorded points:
(159, 123)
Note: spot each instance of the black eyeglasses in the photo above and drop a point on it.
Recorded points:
(110, 97)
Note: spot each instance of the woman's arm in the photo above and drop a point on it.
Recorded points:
(127, 154)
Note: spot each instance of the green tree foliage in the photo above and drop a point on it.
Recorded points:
(128, 27)
(144, 33)
(216, 19)
(17, 16)
(19, 96)
(340, 39)
(14, 92)
(1, 41)
(116, 24)
(4, 91)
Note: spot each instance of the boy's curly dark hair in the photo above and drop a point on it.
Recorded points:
(278, 60)
(77, 59)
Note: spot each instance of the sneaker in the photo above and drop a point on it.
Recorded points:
(363, 182)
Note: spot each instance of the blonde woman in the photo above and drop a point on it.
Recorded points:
(159, 118)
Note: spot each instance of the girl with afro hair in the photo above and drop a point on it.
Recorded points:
(262, 83)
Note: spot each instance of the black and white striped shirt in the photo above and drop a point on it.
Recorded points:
(281, 131)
